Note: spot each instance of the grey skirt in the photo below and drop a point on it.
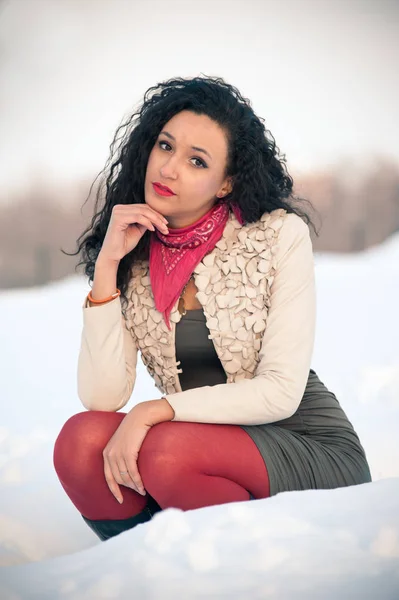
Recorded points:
(316, 448)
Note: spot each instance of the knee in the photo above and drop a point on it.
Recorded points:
(83, 435)
(163, 456)
(162, 439)
(71, 440)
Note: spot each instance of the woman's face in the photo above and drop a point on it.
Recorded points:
(195, 176)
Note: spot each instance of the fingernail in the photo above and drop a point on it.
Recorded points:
(120, 500)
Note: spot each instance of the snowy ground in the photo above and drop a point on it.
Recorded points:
(317, 544)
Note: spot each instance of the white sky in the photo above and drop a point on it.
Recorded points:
(322, 73)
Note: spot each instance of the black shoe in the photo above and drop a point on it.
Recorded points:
(105, 529)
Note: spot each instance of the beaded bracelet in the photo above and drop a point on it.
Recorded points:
(112, 297)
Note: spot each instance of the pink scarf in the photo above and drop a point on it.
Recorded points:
(173, 257)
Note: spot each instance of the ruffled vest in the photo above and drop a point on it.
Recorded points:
(234, 282)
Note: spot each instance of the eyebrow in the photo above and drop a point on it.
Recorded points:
(169, 135)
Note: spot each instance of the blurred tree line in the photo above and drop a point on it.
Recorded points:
(357, 209)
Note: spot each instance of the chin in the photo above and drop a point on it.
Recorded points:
(154, 202)
(157, 203)
(150, 198)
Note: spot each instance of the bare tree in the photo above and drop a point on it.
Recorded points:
(358, 209)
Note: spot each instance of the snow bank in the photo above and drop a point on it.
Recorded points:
(323, 544)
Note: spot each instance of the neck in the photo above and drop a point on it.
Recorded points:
(182, 221)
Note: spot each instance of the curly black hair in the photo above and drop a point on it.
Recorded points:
(261, 182)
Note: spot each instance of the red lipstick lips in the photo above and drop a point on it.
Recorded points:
(162, 190)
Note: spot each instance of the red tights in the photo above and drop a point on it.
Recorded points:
(182, 465)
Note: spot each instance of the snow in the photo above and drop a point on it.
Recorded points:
(322, 544)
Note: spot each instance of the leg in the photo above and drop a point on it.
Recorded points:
(79, 464)
(190, 465)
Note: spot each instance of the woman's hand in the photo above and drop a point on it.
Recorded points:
(127, 225)
(122, 451)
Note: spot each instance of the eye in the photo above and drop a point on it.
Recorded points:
(202, 163)
(204, 166)
(159, 144)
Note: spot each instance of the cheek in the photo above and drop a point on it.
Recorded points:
(206, 186)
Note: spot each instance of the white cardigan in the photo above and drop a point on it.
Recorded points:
(265, 341)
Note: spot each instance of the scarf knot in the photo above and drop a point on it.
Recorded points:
(173, 257)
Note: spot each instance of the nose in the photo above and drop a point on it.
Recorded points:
(169, 168)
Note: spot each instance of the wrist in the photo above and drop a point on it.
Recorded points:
(158, 411)
(103, 262)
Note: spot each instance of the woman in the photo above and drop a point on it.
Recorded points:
(200, 261)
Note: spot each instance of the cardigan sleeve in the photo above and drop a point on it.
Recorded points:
(107, 359)
(276, 390)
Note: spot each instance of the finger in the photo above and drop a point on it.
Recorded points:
(118, 473)
(139, 218)
(159, 220)
(153, 219)
(123, 216)
(135, 477)
(148, 208)
(142, 208)
(125, 476)
(142, 228)
(112, 484)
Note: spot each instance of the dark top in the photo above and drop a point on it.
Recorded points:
(199, 361)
